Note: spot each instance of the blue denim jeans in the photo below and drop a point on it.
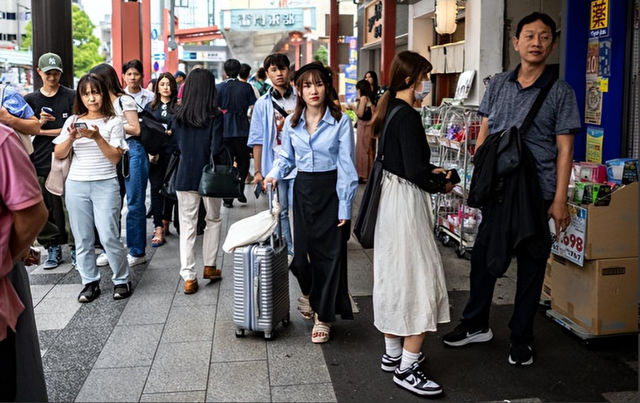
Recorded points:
(285, 195)
(136, 185)
(96, 203)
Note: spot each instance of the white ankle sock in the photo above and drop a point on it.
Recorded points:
(408, 358)
(393, 346)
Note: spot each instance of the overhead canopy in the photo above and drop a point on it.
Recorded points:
(16, 57)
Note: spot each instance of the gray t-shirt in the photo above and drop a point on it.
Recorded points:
(507, 104)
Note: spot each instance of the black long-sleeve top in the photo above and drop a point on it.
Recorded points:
(406, 151)
(197, 145)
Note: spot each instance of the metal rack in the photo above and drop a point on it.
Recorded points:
(455, 222)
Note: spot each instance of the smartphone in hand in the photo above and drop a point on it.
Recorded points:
(80, 125)
(258, 189)
(454, 178)
(47, 110)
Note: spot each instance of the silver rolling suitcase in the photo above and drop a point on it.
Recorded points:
(261, 285)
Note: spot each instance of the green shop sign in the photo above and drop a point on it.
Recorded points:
(264, 19)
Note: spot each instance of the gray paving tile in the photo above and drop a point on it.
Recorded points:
(53, 320)
(227, 347)
(42, 279)
(130, 346)
(159, 281)
(38, 292)
(206, 295)
(189, 323)
(179, 367)
(146, 309)
(64, 386)
(113, 385)
(225, 306)
(76, 349)
(47, 338)
(296, 361)
(102, 311)
(63, 268)
(360, 273)
(174, 397)
(629, 396)
(246, 381)
(319, 392)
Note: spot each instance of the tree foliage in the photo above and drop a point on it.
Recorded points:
(86, 46)
(322, 55)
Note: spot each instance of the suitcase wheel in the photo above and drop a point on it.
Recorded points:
(286, 321)
(268, 336)
(239, 333)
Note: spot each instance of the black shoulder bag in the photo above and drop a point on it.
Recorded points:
(153, 135)
(510, 143)
(365, 226)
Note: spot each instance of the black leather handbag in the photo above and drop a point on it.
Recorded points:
(365, 225)
(510, 143)
(168, 188)
(221, 180)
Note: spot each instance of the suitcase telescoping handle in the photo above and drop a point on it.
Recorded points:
(270, 191)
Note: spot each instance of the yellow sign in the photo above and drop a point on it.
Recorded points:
(595, 137)
(604, 84)
(599, 21)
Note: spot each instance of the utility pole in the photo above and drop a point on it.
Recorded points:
(52, 32)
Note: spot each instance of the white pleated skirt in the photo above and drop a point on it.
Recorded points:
(409, 287)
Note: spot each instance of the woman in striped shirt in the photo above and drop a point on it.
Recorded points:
(94, 139)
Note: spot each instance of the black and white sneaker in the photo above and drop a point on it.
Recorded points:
(520, 354)
(463, 335)
(389, 364)
(90, 292)
(414, 380)
(122, 291)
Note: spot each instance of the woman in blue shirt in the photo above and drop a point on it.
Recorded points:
(318, 140)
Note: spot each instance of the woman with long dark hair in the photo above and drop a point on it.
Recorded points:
(318, 140)
(162, 108)
(198, 130)
(409, 290)
(92, 192)
(372, 79)
(135, 180)
(365, 144)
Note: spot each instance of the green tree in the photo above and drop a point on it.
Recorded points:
(85, 45)
(322, 54)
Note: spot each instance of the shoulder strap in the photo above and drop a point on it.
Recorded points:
(279, 108)
(380, 156)
(537, 104)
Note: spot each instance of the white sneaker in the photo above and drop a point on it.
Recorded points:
(102, 260)
(134, 261)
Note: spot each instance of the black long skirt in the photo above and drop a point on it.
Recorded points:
(320, 262)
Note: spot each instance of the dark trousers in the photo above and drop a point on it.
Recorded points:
(320, 261)
(241, 154)
(528, 288)
(54, 232)
(161, 207)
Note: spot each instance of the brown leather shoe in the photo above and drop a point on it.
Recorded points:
(211, 273)
(191, 286)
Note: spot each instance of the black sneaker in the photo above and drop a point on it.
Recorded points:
(90, 292)
(520, 354)
(389, 364)
(463, 335)
(414, 380)
(122, 291)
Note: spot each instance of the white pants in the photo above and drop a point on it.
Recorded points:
(188, 203)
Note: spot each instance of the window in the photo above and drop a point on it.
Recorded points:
(12, 37)
(2, 15)
(11, 16)
(182, 3)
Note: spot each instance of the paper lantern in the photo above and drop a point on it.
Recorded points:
(446, 14)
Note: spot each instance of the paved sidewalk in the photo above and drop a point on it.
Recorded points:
(163, 345)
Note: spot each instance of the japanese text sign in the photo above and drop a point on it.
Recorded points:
(570, 244)
(599, 21)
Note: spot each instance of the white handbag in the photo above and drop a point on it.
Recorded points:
(254, 229)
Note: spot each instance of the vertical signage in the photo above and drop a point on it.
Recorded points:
(599, 21)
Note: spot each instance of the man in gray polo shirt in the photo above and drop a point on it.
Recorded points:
(506, 103)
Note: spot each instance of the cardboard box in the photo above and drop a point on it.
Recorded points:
(547, 286)
(612, 231)
(601, 296)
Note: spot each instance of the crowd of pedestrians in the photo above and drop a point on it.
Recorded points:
(304, 145)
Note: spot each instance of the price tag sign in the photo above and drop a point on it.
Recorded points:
(571, 243)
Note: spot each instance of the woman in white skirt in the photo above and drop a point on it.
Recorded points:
(409, 290)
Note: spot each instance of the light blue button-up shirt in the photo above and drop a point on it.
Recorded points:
(331, 147)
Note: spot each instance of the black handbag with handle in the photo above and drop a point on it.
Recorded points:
(365, 225)
(221, 179)
(168, 188)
